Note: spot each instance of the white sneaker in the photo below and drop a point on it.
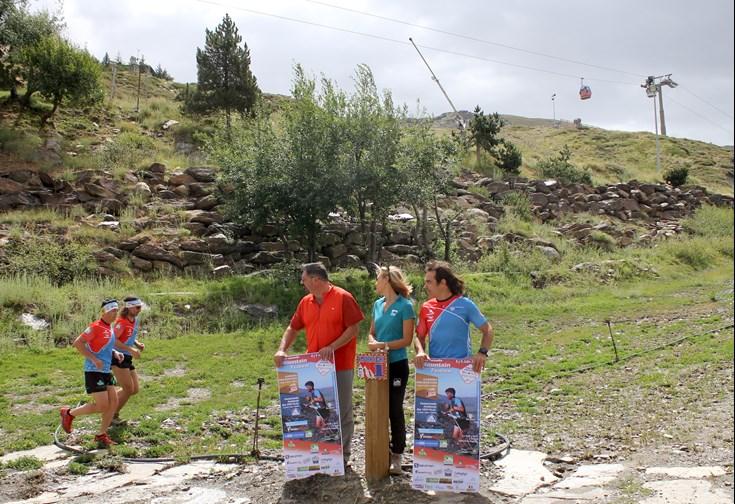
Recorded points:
(395, 464)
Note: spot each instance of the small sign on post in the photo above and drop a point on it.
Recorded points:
(373, 368)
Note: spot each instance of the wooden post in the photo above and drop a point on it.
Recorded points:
(377, 454)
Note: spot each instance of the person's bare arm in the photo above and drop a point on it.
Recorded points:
(126, 348)
(373, 344)
(478, 360)
(421, 356)
(289, 336)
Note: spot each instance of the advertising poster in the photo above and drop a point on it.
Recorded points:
(372, 366)
(446, 453)
(312, 440)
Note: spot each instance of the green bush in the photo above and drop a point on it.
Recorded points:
(127, 152)
(514, 261)
(110, 463)
(602, 240)
(59, 262)
(25, 464)
(676, 177)
(19, 143)
(517, 202)
(711, 221)
(697, 259)
(561, 169)
(77, 469)
(697, 253)
(509, 158)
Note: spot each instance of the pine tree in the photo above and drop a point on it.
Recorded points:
(484, 131)
(224, 79)
(106, 60)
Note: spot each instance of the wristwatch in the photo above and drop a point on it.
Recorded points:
(483, 351)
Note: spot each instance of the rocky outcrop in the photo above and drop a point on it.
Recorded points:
(633, 212)
(625, 201)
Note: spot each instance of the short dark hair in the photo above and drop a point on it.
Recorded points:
(443, 271)
(309, 383)
(316, 269)
(451, 389)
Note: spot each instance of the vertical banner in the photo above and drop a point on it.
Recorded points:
(446, 452)
(312, 438)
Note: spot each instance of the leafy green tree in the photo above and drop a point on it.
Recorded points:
(425, 161)
(60, 71)
(484, 130)
(372, 130)
(224, 79)
(291, 175)
(19, 30)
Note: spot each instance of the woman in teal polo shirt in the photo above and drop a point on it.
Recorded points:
(391, 330)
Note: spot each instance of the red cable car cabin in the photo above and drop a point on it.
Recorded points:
(585, 92)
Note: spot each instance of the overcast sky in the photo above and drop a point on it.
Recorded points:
(630, 39)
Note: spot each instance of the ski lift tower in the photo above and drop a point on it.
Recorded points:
(460, 123)
(653, 87)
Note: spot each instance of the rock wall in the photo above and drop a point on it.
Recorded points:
(162, 203)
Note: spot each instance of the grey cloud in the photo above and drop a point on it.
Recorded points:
(691, 40)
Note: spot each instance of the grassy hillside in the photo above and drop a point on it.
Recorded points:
(611, 156)
(616, 156)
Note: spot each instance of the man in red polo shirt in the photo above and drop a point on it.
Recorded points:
(331, 317)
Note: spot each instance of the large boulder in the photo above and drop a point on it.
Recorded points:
(265, 258)
(8, 186)
(110, 205)
(348, 261)
(141, 264)
(98, 191)
(204, 217)
(157, 254)
(336, 251)
(200, 189)
(200, 246)
(178, 178)
(192, 258)
(142, 189)
(207, 202)
(201, 174)
(400, 249)
(549, 252)
(220, 244)
(539, 199)
(276, 246)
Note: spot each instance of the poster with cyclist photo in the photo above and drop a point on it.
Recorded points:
(312, 439)
(446, 448)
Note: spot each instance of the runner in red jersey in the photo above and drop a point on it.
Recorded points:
(96, 344)
(126, 331)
